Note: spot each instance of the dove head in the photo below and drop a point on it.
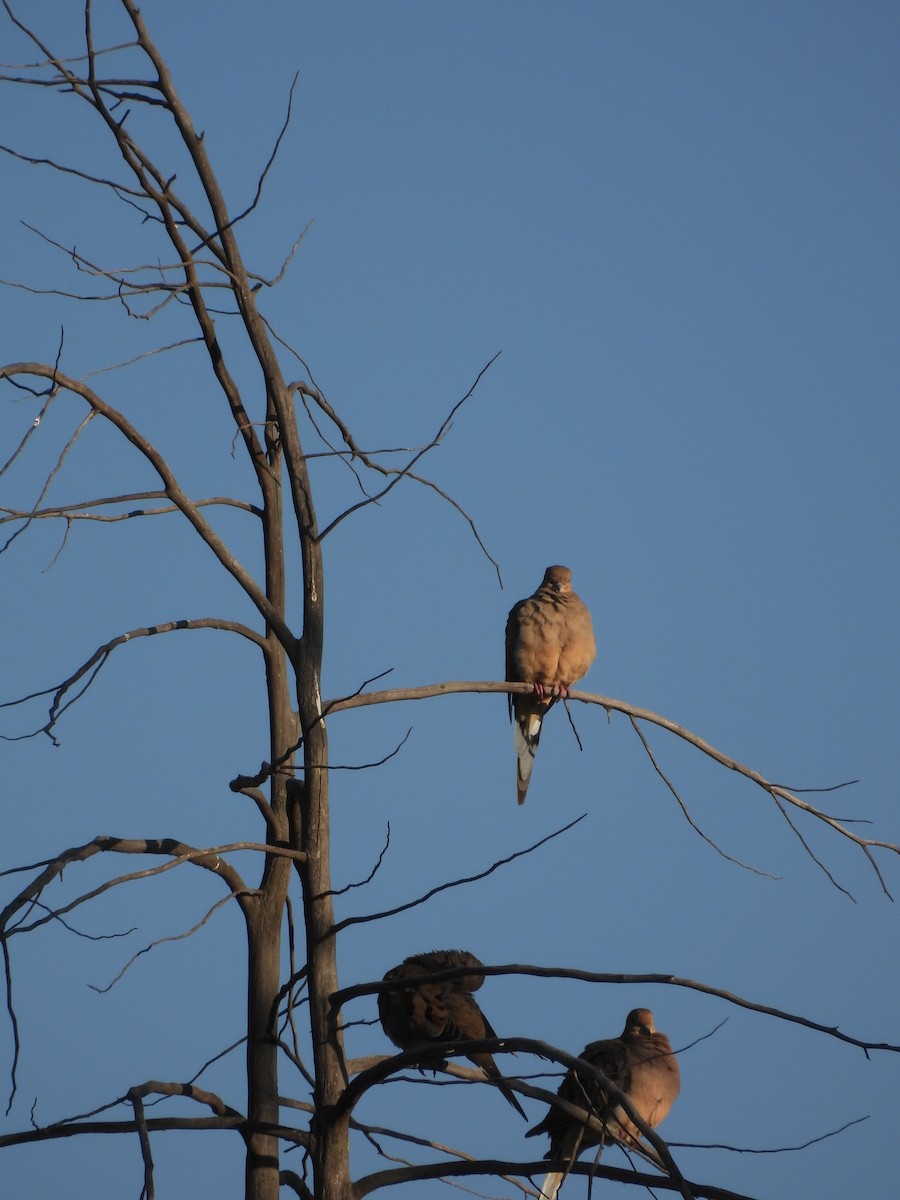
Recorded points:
(558, 579)
(639, 1023)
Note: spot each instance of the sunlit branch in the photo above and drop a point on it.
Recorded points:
(48, 397)
(292, 1180)
(635, 713)
(49, 1133)
(806, 846)
(137, 1104)
(74, 512)
(240, 1124)
(175, 851)
(81, 933)
(178, 854)
(130, 362)
(174, 215)
(274, 280)
(122, 276)
(118, 188)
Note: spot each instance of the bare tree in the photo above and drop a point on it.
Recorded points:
(193, 273)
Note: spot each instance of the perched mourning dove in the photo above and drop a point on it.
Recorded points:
(428, 1014)
(641, 1064)
(549, 644)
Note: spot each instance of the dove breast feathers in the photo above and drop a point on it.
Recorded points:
(550, 636)
(639, 1063)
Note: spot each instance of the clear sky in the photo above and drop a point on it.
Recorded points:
(678, 223)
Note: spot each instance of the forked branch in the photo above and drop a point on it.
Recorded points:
(172, 487)
(387, 1067)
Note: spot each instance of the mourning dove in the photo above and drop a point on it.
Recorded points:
(641, 1064)
(549, 644)
(429, 1014)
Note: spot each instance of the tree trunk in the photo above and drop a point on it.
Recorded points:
(332, 1150)
(264, 922)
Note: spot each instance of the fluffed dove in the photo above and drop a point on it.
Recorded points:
(641, 1064)
(549, 644)
(427, 1015)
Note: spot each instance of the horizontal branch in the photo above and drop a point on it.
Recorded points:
(636, 713)
(341, 997)
(395, 1176)
(156, 1087)
(158, 1124)
(207, 857)
(76, 511)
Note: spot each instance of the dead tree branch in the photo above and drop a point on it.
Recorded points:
(443, 887)
(396, 474)
(459, 1170)
(172, 488)
(89, 669)
(635, 713)
(684, 809)
(342, 997)
(76, 511)
(177, 852)
(377, 1074)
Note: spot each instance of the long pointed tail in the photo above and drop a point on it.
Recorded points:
(527, 732)
(514, 1100)
(551, 1184)
(490, 1068)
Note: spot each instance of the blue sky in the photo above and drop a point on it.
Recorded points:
(677, 223)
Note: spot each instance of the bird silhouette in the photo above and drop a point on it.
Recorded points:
(429, 1014)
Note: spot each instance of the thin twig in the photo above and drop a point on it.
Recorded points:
(806, 846)
(176, 937)
(690, 820)
(443, 887)
(813, 1141)
(363, 882)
